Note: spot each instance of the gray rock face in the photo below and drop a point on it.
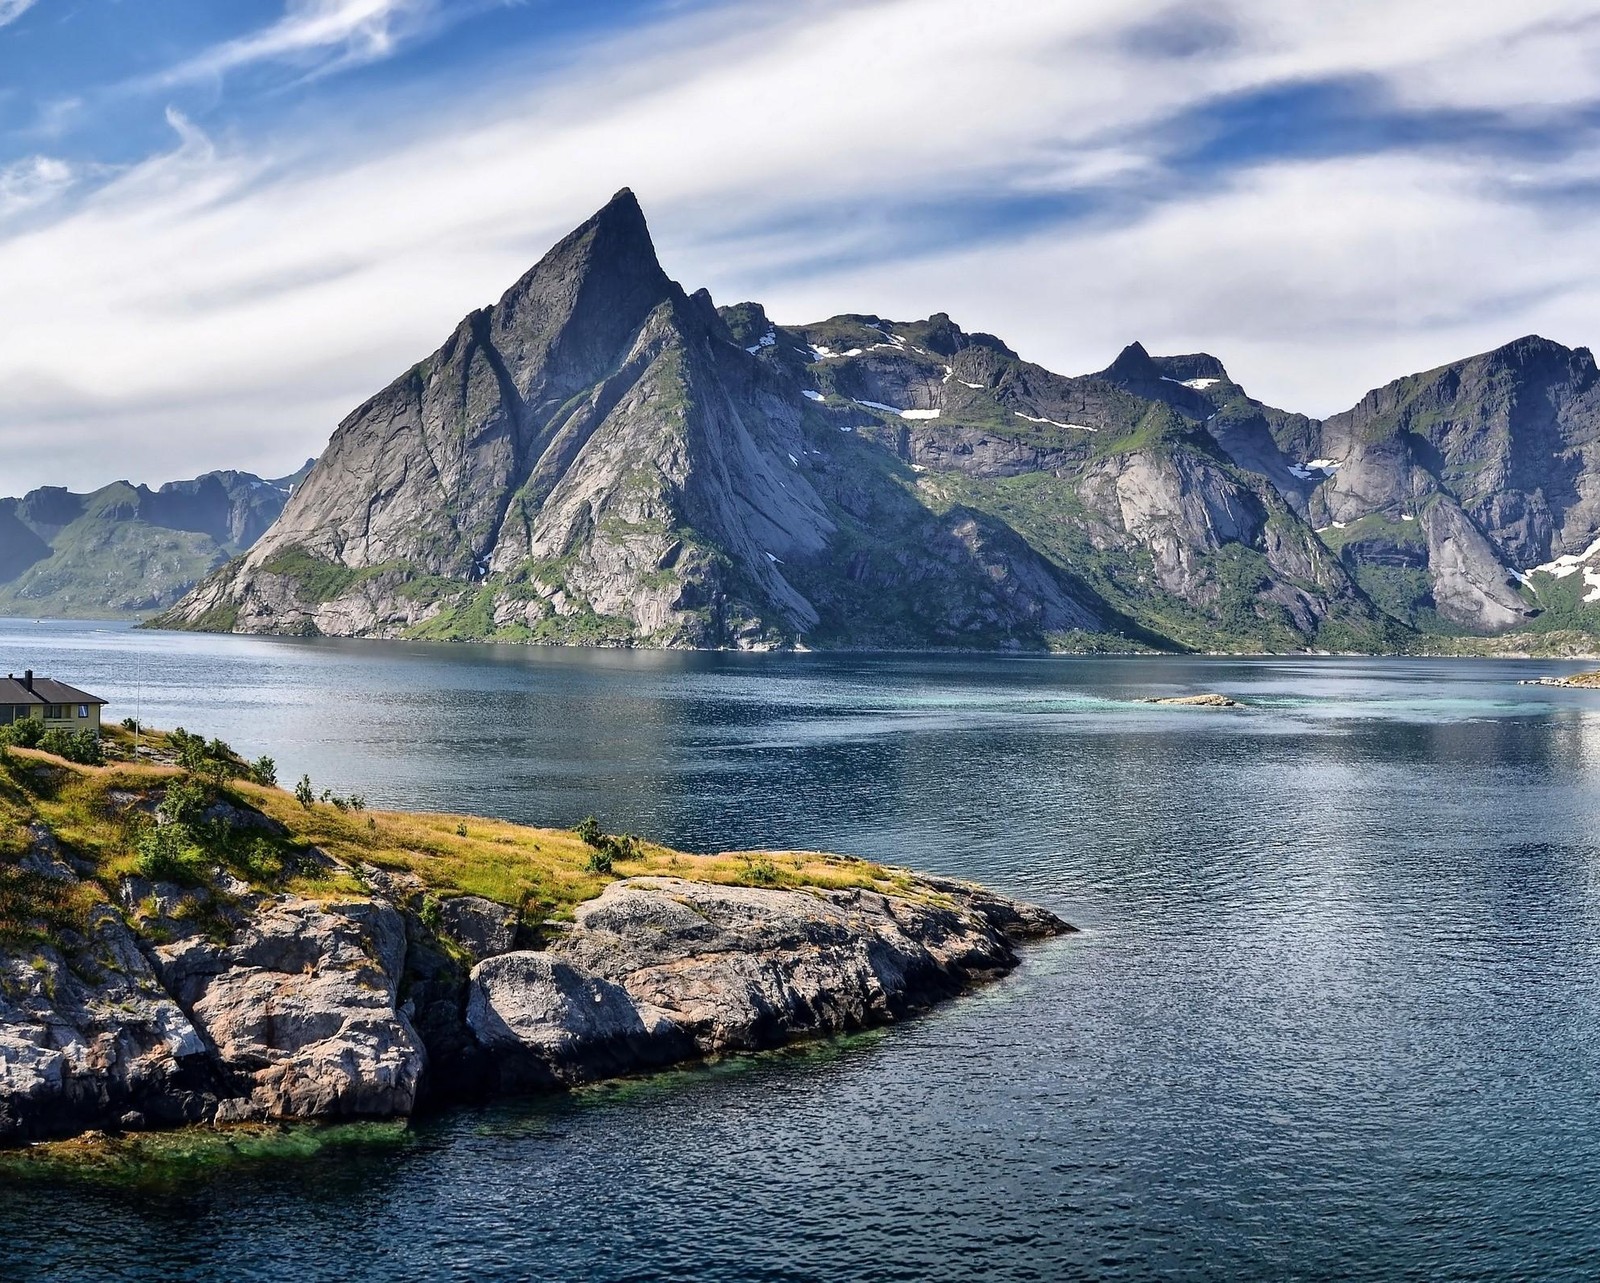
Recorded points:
(223, 1005)
(300, 1009)
(659, 969)
(294, 1017)
(88, 1033)
(482, 927)
(601, 458)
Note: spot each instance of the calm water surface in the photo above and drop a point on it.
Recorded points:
(1335, 1014)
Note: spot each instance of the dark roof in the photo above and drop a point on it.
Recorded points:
(55, 692)
(45, 691)
(12, 691)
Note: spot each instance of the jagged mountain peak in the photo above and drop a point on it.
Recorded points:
(1133, 365)
(592, 291)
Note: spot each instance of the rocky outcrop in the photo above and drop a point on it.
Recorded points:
(299, 1009)
(222, 1005)
(660, 969)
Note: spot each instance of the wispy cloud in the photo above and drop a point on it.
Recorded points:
(11, 10)
(1069, 176)
(312, 33)
(33, 182)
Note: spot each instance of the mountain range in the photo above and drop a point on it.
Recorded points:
(601, 457)
(125, 549)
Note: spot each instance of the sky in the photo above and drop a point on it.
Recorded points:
(224, 226)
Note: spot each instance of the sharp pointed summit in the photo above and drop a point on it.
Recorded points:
(599, 457)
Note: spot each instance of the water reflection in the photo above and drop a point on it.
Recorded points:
(1334, 1016)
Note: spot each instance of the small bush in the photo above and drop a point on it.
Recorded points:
(590, 832)
(186, 799)
(166, 853)
(600, 861)
(257, 859)
(264, 771)
(130, 724)
(303, 793)
(461, 829)
(82, 747)
(25, 733)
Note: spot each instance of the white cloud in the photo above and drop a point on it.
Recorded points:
(11, 10)
(226, 304)
(32, 182)
(1314, 281)
(351, 31)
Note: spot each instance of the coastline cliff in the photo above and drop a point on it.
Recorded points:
(182, 945)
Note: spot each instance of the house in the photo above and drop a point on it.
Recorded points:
(54, 703)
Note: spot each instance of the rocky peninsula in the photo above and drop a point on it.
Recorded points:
(182, 942)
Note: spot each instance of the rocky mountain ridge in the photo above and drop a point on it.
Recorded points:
(125, 549)
(600, 457)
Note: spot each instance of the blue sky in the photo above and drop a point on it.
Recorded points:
(222, 226)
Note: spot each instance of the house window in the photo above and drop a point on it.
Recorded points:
(56, 712)
(83, 710)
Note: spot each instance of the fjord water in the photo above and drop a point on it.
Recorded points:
(1335, 1011)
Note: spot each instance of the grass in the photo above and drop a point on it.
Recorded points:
(97, 815)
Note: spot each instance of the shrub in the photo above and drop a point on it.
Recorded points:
(461, 829)
(303, 793)
(257, 859)
(82, 747)
(590, 832)
(167, 853)
(186, 800)
(130, 723)
(606, 849)
(25, 733)
(264, 771)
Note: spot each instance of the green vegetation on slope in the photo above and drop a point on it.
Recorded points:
(157, 819)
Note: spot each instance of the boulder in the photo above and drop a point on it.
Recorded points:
(300, 1009)
(482, 927)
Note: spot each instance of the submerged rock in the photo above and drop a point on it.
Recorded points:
(1212, 700)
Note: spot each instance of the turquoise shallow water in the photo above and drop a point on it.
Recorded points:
(1334, 1014)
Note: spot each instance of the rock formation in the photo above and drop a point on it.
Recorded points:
(602, 458)
(222, 1004)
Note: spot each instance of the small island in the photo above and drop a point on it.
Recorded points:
(1577, 681)
(184, 942)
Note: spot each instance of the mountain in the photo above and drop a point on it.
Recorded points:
(127, 549)
(602, 457)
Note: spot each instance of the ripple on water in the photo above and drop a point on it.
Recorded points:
(1333, 1015)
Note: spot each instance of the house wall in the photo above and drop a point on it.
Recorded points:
(72, 722)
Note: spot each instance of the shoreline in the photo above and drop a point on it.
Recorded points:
(310, 960)
(135, 623)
